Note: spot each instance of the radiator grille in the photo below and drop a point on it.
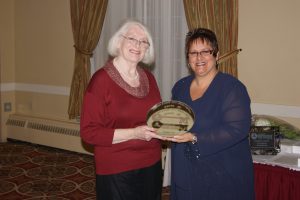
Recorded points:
(53, 129)
(43, 126)
(16, 122)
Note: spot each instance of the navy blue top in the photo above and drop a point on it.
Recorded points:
(219, 166)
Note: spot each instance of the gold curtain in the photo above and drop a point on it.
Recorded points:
(221, 16)
(87, 18)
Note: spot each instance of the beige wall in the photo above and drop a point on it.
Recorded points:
(7, 41)
(36, 55)
(269, 63)
(44, 42)
(7, 59)
(44, 52)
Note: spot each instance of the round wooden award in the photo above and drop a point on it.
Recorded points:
(170, 118)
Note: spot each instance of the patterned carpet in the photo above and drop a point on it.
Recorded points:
(35, 172)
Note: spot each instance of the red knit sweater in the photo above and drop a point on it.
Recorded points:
(107, 107)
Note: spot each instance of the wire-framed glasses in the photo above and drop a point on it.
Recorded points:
(205, 53)
(142, 43)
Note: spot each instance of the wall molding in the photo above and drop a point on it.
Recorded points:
(7, 87)
(257, 108)
(276, 110)
(38, 88)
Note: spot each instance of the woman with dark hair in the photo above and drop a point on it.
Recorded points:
(213, 160)
(127, 152)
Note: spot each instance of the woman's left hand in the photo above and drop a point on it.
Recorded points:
(183, 137)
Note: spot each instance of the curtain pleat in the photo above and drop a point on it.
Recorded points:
(221, 16)
(87, 17)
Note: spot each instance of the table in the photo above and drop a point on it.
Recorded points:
(277, 176)
(276, 182)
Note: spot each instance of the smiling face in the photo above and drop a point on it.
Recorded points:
(133, 45)
(201, 58)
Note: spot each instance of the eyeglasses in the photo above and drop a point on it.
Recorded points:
(206, 53)
(142, 43)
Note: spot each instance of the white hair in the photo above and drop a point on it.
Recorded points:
(115, 39)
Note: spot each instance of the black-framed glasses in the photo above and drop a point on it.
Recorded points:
(142, 43)
(205, 53)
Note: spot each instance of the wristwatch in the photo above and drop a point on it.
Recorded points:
(194, 139)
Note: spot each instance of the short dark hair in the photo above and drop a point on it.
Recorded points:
(204, 35)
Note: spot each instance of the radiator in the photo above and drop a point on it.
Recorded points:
(48, 132)
(53, 133)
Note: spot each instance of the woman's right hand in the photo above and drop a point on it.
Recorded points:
(146, 133)
(140, 132)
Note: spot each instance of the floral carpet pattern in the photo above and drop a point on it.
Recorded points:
(35, 172)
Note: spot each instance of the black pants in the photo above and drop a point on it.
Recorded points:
(140, 184)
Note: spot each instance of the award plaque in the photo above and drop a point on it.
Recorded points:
(170, 118)
(264, 140)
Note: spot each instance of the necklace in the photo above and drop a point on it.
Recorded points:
(124, 75)
(128, 77)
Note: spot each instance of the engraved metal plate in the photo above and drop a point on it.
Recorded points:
(170, 118)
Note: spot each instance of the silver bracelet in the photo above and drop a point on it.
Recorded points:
(195, 139)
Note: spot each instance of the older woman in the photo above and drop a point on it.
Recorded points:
(127, 152)
(212, 161)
